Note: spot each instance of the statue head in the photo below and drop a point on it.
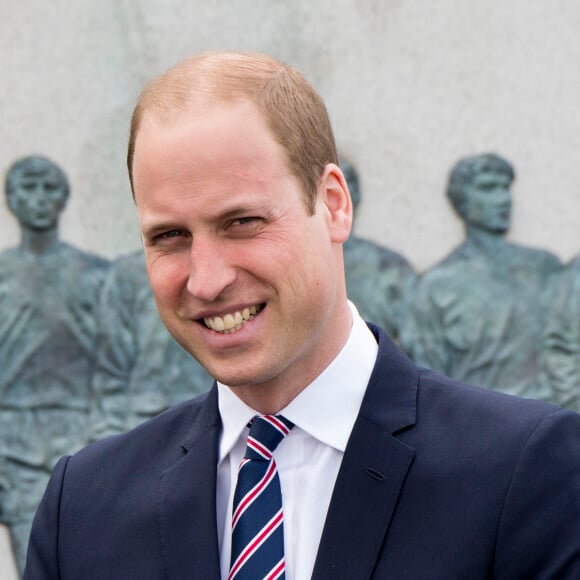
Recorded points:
(351, 177)
(479, 190)
(36, 190)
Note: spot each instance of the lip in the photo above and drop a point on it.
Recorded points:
(240, 338)
(210, 313)
(201, 316)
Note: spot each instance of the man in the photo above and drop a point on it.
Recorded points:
(478, 315)
(378, 280)
(139, 369)
(389, 472)
(48, 296)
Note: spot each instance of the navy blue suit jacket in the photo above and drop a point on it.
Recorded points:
(439, 481)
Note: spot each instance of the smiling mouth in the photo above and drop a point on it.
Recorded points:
(233, 320)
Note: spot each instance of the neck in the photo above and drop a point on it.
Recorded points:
(484, 240)
(39, 242)
(271, 397)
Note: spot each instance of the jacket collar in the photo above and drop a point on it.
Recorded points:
(187, 501)
(373, 470)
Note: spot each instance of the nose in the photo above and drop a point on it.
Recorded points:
(211, 270)
(41, 199)
(36, 194)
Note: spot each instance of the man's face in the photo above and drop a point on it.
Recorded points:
(488, 202)
(38, 199)
(244, 278)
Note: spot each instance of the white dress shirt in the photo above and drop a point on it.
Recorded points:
(309, 458)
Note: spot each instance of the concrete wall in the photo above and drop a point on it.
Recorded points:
(411, 86)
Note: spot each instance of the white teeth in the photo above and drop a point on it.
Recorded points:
(232, 321)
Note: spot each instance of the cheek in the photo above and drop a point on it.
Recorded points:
(167, 275)
(474, 210)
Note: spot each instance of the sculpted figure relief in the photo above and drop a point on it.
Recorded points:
(140, 369)
(244, 213)
(48, 295)
(478, 314)
(561, 352)
(378, 280)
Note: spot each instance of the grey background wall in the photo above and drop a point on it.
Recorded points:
(410, 85)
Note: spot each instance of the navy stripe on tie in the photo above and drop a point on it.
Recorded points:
(257, 517)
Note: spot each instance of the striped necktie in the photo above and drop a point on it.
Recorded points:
(257, 518)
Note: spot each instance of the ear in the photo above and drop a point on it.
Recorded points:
(333, 194)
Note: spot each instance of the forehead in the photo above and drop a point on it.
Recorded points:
(36, 172)
(488, 177)
(213, 136)
(206, 151)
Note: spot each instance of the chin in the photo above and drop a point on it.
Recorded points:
(242, 376)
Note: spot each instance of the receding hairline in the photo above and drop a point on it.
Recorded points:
(208, 75)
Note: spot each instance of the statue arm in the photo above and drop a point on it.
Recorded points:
(115, 356)
(423, 334)
(560, 348)
(81, 315)
(17, 341)
(398, 288)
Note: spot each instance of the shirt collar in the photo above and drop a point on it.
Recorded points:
(317, 409)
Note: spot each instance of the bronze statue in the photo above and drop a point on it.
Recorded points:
(561, 340)
(140, 369)
(378, 280)
(48, 296)
(477, 315)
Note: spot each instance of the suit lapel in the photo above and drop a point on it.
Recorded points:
(373, 471)
(187, 506)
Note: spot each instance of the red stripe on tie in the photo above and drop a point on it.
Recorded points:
(259, 539)
(259, 448)
(254, 493)
(276, 423)
(276, 571)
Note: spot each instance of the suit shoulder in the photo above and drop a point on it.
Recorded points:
(158, 439)
(478, 407)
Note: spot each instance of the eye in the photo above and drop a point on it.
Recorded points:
(169, 238)
(243, 221)
(245, 226)
(170, 234)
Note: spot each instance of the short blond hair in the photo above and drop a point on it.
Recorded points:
(293, 110)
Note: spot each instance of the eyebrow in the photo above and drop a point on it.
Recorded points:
(240, 209)
(152, 229)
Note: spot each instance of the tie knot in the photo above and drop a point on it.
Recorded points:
(266, 432)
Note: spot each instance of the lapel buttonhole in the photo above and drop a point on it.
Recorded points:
(374, 473)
